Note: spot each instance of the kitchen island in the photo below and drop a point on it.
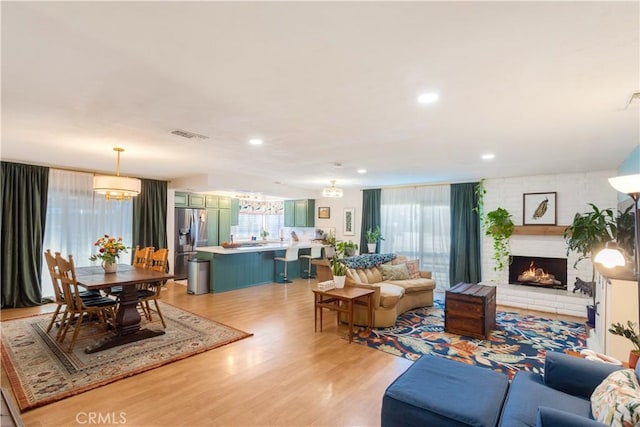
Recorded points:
(250, 264)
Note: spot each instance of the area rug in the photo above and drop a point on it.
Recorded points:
(519, 342)
(41, 372)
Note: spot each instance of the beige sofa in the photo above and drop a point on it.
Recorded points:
(391, 297)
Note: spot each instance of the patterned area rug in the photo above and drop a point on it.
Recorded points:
(519, 342)
(41, 372)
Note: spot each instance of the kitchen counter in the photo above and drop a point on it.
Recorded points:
(252, 264)
(257, 247)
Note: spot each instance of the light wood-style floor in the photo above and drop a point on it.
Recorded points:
(285, 375)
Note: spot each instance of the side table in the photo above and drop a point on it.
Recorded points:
(349, 296)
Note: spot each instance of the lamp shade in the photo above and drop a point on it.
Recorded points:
(116, 187)
(610, 256)
(628, 184)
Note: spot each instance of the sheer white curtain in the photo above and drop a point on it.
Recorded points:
(416, 223)
(76, 218)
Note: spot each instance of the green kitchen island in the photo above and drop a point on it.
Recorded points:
(251, 265)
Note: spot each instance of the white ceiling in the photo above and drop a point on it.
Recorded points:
(543, 85)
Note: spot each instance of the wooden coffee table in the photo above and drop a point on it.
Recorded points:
(470, 310)
(342, 301)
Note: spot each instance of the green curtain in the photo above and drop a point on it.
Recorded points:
(150, 215)
(24, 211)
(465, 259)
(370, 215)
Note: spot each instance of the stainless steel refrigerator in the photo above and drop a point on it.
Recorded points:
(191, 233)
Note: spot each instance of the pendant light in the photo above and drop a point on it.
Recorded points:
(116, 187)
(332, 191)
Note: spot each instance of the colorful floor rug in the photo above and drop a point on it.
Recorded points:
(519, 342)
(41, 372)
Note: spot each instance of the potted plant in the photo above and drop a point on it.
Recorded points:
(373, 236)
(629, 332)
(346, 248)
(339, 271)
(499, 226)
(586, 235)
(330, 240)
(264, 234)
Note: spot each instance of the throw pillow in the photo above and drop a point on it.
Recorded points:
(414, 268)
(395, 272)
(616, 401)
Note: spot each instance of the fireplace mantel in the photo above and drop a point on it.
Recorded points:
(544, 230)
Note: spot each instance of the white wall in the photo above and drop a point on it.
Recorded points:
(351, 199)
(574, 193)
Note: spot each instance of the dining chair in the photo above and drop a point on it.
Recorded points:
(290, 255)
(77, 307)
(52, 266)
(158, 262)
(141, 256)
(316, 253)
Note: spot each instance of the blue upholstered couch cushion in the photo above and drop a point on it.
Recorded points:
(439, 392)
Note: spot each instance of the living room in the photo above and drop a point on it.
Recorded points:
(550, 89)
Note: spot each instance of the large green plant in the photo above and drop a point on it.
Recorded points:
(629, 332)
(346, 248)
(374, 235)
(499, 226)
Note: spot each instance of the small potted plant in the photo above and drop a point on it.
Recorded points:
(330, 240)
(264, 234)
(346, 248)
(339, 271)
(373, 236)
(629, 332)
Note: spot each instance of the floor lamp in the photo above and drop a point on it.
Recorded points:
(630, 185)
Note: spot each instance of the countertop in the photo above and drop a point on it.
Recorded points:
(258, 247)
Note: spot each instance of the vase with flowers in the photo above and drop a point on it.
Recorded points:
(109, 251)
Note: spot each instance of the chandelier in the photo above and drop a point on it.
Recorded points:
(332, 191)
(116, 187)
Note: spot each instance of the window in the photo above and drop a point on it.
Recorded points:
(76, 218)
(416, 223)
(257, 216)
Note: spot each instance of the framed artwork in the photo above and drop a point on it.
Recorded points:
(324, 213)
(539, 208)
(349, 220)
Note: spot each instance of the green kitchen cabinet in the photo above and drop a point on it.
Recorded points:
(211, 202)
(213, 235)
(235, 211)
(289, 213)
(181, 200)
(196, 201)
(305, 213)
(224, 202)
(224, 225)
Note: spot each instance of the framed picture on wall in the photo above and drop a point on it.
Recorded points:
(349, 221)
(324, 213)
(539, 208)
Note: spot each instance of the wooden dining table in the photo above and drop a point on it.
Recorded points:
(127, 328)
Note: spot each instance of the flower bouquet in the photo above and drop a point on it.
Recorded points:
(109, 252)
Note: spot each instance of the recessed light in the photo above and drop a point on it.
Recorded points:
(255, 141)
(428, 98)
(362, 171)
(488, 156)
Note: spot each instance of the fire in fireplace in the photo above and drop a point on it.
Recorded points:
(538, 271)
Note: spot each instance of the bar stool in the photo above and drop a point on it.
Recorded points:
(316, 252)
(290, 255)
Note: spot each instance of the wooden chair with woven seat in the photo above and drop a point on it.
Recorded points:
(77, 307)
(151, 292)
(52, 266)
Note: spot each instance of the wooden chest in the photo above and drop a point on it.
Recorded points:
(470, 310)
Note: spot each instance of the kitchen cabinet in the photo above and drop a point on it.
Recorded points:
(218, 226)
(299, 213)
(617, 302)
(189, 200)
(224, 202)
(235, 211)
(211, 201)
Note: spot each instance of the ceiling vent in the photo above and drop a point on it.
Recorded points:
(188, 135)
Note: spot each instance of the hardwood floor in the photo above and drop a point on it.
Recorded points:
(284, 375)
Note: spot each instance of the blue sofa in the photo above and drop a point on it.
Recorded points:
(435, 391)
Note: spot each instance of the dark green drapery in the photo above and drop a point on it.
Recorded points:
(150, 215)
(24, 211)
(370, 215)
(465, 260)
